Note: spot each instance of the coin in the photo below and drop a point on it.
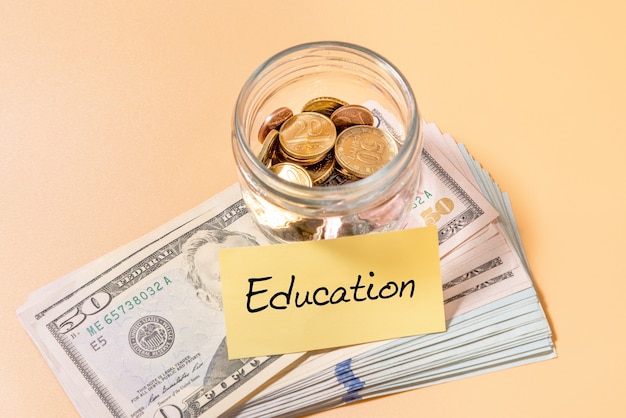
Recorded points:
(363, 150)
(350, 115)
(324, 105)
(292, 173)
(273, 121)
(282, 157)
(320, 171)
(345, 174)
(270, 145)
(307, 135)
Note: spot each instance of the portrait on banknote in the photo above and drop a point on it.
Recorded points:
(141, 331)
(200, 261)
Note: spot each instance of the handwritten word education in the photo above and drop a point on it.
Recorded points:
(323, 295)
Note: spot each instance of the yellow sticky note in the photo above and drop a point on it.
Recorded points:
(322, 294)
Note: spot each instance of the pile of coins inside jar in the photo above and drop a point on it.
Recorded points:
(330, 142)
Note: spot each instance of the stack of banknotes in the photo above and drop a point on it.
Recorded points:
(134, 334)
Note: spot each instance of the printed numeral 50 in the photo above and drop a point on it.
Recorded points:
(432, 215)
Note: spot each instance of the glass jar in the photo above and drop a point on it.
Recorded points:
(289, 212)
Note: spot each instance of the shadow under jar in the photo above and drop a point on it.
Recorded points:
(290, 212)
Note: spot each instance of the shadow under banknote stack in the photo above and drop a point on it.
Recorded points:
(141, 330)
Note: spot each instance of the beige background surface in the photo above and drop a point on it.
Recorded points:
(115, 118)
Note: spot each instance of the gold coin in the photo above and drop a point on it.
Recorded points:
(273, 121)
(338, 178)
(322, 170)
(363, 150)
(283, 157)
(351, 115)
(270, 145)
(307, 136)
(324, 105)
(345, 174)
(292, 173)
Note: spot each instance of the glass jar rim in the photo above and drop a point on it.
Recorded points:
(300, 193)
